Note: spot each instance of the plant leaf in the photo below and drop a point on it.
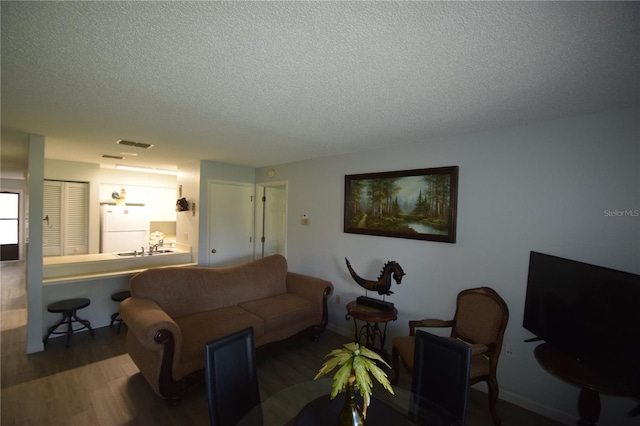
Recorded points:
(351, 347)
(327, 367)
(373, 355)
(343, 356)
(380, 375)
(362, 379)
(359, 361)
(341, 378)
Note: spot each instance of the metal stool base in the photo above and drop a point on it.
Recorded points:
(115, 317)
(68, 309)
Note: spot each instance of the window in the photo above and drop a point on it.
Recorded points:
(9, 225)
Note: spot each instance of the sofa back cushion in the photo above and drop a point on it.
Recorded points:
(182, 291)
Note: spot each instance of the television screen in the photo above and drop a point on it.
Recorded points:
(588, 311)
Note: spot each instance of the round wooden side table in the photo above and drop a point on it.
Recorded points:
(590, 380)
(374, 334)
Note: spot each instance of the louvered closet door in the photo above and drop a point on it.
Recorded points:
(52, 212)
(66, 218)
(77, 218)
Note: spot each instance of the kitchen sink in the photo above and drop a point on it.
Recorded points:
(146, 253)
(126, 253)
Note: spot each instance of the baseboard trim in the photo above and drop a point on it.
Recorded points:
(35, 348)
(536, 407)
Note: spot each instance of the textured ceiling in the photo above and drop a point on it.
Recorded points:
(262, 83)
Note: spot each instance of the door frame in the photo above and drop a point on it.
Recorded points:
(259, 223)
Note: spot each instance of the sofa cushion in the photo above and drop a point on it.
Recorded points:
(278, 312)
(202, 327)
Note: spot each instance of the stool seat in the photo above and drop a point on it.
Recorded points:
(118, 297)
(67, 305)
(68, 310)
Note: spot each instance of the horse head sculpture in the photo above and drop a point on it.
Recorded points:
(383, 284)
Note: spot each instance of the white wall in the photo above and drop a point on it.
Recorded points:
(35, 185)
(542, 187)
(186, 222)
(123, 178)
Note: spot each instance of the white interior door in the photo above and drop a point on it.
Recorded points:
(274, 220)
(230, 223)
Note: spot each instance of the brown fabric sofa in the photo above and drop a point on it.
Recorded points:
(173, 312)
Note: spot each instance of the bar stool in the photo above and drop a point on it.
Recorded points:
(68, 310)
(118, 297)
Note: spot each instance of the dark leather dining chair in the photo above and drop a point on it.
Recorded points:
(231, 377)
(440, 379)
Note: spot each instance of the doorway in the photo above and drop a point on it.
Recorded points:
(9, 226)
(271, 219)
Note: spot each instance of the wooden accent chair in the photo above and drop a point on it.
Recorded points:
(480, 320)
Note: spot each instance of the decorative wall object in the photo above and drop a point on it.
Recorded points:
(182, 205)
(418, 204)
(390, 270)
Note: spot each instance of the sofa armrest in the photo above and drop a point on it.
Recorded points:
(311, 288)
(317, 291)
(145, 319)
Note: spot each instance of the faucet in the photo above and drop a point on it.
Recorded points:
(141, 250)
(152, 248)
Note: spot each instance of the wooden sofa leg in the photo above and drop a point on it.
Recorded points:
(317, 331)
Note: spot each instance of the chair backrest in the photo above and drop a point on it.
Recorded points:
(440, 378)
(481, 317)
(231, 377)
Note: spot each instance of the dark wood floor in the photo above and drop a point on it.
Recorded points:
(95, 382)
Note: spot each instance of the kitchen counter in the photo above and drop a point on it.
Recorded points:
(83, 267)
(97, 277)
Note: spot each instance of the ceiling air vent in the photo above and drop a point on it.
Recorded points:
(134, 144)
(115, 157)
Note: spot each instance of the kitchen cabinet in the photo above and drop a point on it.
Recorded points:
(162, 204)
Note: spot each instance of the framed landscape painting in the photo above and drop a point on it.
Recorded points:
(417, 204)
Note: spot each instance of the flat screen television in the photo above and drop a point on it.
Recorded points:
(587, 311)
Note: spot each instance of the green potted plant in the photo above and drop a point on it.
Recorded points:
(356, 366)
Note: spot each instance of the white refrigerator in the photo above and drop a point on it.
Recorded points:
(124, 228)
